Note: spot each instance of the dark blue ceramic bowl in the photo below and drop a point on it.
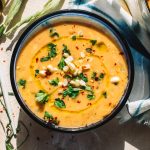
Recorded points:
(101, 23)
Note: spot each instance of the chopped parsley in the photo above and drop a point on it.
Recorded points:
(51, 52)
(48, 117)
(104, 94)
(22, 83)
(74, 37)
(62, 63)
(71, 92)
(65, 49)
(54, 82)
(87, 88)
(59, 103)
(83, 77)
(88, 50)
(36, 72)
(93, 42)
(67, 76)
(42, 97)
(101, 76)
(91, 96)
(97, 78)
(51, 30)
(54, 34)
(93, 75)
(45, 59)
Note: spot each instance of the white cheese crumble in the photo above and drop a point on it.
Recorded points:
(42, 73)
(115, 79)
(82, 54)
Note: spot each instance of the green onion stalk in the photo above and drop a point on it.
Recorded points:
(50, 6)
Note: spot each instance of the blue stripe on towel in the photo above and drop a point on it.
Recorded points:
(137, 110)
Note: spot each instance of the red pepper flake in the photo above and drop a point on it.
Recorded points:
(78, 101)
(93, 50)
(77, 47)
(85, 74)
(82, 92)
(48, 73)
(89, 104)
(109, 104)
(37, 60)
(83, 45)
(93, 87)
(121, 53)
(115, 64)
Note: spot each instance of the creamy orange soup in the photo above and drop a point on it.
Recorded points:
(148, 1)
(71, 75)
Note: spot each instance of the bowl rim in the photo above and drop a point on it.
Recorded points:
(128, 57)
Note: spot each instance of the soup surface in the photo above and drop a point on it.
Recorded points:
(148, 1)
(71, 75)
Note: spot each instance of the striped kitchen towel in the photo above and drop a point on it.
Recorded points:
(135, 28)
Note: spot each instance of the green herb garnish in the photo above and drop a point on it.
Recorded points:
(83, 77)
(22, 83)
(54, 34)
(91, 96)
(74, 37)
(93, 42)
(36, 72)
(89, 50)
(68, 76)
(97, 78)
(54, 82)
(93, 75)
(88, 88)
(59, 103)
(71, 92)
(65, 49)
(47, 115)
(104, 94)
(101, 76)
(51, 52)
(42, 97)
(45, 59)
(62, 63)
